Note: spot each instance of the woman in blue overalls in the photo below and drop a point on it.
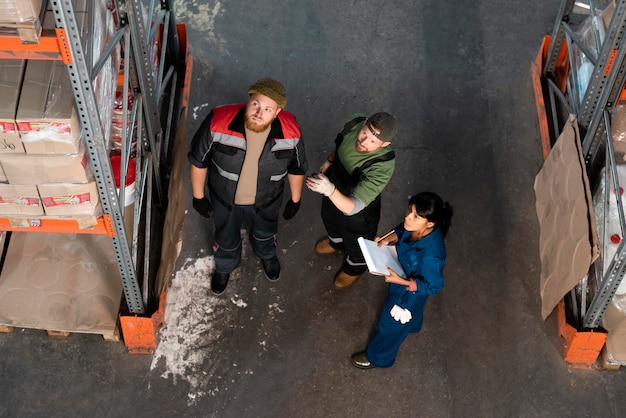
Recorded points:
(422, 254)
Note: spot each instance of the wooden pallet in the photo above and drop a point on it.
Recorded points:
(54, 333)
(6, 328)
(113, 336)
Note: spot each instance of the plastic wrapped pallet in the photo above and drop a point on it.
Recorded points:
(19, 10)
(103, 31)
(21, 18)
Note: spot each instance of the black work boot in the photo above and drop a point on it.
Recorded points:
(219, 282)
(271, 267)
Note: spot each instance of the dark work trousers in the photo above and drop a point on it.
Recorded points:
(262, 233)
(343, 232)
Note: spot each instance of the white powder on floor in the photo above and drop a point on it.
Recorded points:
(195, 321)
(189, 332)
(196, 109)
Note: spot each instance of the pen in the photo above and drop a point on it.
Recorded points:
(386, 235)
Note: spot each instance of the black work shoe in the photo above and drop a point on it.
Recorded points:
(219, 282)
(359, 360)
(271, 267)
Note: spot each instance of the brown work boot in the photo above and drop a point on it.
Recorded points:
(344, 280)
(323, 247)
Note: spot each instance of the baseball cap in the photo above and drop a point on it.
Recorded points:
(385, 123)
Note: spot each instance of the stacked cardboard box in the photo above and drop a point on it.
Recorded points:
(42, 133)
(46, 117)
(55, 185)
(52, 177)
(21, 18)
(48, 176)
(69, 199)
(20, 200)
(11, 75)
(19, 10)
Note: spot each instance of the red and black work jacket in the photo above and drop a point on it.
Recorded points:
(220, 146)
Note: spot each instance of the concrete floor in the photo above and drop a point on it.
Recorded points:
(456, 75)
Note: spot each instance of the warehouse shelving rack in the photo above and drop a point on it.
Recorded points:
(555, 85)
(156, 94)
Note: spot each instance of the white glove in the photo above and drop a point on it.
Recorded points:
(402, 315)
(405, 316)
(396, 312)
(321, 184)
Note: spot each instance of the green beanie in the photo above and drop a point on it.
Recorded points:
(270, 88)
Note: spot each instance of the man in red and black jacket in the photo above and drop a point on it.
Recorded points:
(240, 158)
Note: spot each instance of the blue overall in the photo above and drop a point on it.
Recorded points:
(422, 260)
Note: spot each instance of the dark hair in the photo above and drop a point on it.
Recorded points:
(430, 206)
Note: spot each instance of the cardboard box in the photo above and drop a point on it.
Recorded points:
(3, 177)
(46, 115)
(22, 18)
(20, 200)
(558, 208)
(20, 10)
(34, 169)
(11, 75)
(28, 32)
(69, 199)
(618, 131)
(607, 14)
(61, 282)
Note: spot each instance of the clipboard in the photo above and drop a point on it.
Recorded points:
(378, 258)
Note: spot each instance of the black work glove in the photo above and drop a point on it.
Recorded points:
(291, 208)
(203, 206)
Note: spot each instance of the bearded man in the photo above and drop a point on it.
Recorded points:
(241, 157)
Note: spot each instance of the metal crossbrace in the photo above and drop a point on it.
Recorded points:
(148, 175)
(95, 147)
(557, 38)
(173, 46)
(142, 60)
